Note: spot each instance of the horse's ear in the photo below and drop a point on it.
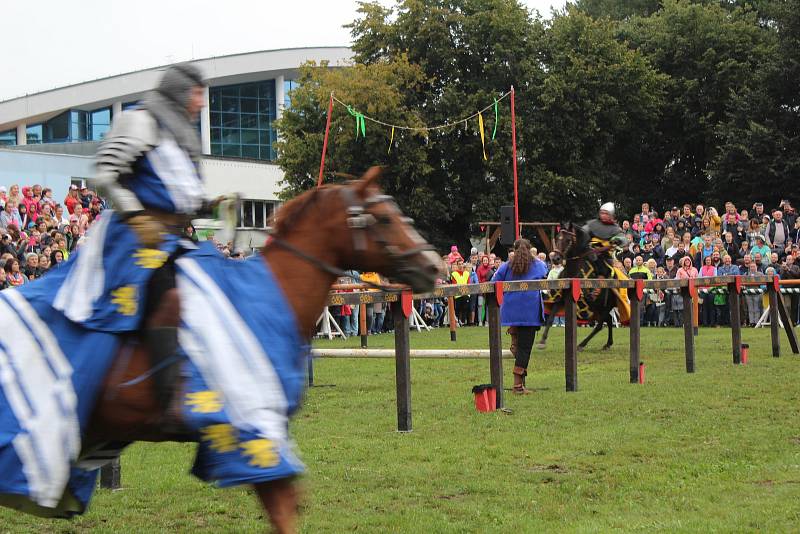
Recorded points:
(370, 178)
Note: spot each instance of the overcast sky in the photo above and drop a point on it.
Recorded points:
(52, 43)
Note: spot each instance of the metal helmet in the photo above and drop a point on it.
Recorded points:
(608, 207)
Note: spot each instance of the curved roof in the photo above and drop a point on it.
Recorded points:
(222, 70)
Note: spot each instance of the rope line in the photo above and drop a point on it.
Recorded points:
(421, 128)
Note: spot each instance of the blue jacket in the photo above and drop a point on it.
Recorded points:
(522, 308)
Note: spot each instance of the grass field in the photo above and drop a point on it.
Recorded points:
(718, 450)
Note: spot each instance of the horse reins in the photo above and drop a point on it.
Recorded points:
(362, 225)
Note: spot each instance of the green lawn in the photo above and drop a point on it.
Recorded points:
(718, 450)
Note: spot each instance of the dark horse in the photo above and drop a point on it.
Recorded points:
(573, 246)
(316, 235)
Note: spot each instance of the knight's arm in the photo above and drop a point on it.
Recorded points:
(133, 134)
(620, 240)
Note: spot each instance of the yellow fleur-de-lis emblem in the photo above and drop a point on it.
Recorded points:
(261, 451)
(222, 437)
(125, 299)
(204, 401)
(150, 258)
(337, 301)
(365, 299)
(523, 286)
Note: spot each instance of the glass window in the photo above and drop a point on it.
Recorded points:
(244, 114)
(129, 105)
(8, 137)
(34, 134)
(288, 87)
(79, 125)
(250, 151)
(56, 130)
(247, 213)
(255, 213)
(100, 123)
(258, 213)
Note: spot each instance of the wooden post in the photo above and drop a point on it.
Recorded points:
(495, 346)
(695, 311)
(571, 338)
(774, 324)
(635, 297)
(688, 327)
(402, 367)
(111, 475)
(362, 324)
(734, 298)
(451, 314)
(311, 369)
(788, 325)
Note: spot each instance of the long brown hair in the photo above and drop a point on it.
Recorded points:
(522, 257)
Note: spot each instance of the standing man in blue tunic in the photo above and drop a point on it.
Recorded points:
(522, 311)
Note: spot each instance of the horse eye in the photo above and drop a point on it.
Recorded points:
(384, 219)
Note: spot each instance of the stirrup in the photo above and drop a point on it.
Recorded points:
(520, 389)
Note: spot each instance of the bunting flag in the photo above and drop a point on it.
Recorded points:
(483, 140)
(494, 132)
(360, 124)
(361, 119)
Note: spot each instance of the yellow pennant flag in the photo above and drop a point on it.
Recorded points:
(483, 138)
(391, 140)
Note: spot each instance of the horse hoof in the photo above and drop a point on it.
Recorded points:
(607, 347)
(580, 348)
(541, 346)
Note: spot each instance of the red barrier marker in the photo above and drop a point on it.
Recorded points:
(641, 372)
(485, 398)
(745, 349)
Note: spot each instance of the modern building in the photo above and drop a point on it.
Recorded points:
(49, 137)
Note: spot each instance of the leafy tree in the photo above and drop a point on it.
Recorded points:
(595, 117)
(759, 152)
(710, 53)
(618, 9)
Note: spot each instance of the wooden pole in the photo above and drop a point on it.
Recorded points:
(635, 328)
(495, 347)
(688, 327)
(774, 324)
(734, 298)
(514, 163)
(788, 325)
(325, 140)
(362, 324)
(571, 341)
(311, 370)
(402, 367)
(695, 312)
(451, 315)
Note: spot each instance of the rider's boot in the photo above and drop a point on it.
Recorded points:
(512, 331)
(519, 381)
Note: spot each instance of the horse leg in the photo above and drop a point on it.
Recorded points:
(554, 309)
(595, 330)
(610, 324)
(280, 498)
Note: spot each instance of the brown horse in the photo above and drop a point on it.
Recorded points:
(327, 229)
(572, 245)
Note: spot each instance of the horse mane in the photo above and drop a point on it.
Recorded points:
(288, 215)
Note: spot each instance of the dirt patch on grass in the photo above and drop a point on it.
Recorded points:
(551, 468)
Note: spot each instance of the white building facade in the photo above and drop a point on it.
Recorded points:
(48, 138)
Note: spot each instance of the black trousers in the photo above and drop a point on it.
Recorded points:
(525, 338)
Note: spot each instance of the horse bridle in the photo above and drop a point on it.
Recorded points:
(364, 225)
(577, 256)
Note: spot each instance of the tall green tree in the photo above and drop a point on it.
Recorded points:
(759, 142)
(594, 118)
(710, 53)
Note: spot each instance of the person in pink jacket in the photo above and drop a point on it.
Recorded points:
(686, 270)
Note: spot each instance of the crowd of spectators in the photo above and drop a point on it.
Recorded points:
(38, 233)
(692, 242)
(686, 242)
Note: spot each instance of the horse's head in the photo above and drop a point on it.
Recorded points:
(367, 231)
(568, 242)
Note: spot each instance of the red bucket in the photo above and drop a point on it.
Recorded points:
(485, 397)
(641, 372)
(745, 350)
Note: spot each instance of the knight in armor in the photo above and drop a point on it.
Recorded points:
(148, 167)
(604, 232)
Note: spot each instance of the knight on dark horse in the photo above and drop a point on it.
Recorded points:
(588, 253)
